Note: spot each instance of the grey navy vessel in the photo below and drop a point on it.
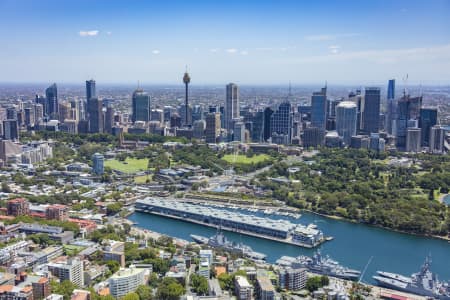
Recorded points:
(220, 241)
(423, 283)
(320, 265)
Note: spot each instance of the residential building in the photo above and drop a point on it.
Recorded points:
(243, 289)
(57, 212)
(264, 287)
(68, 269)
(437, 139)
(232, 110)
(126, 281)
(18, 207)
(413, 140)
(114, 250)
(51, 95)
(98, 163)
(292, 279)
(41, 288)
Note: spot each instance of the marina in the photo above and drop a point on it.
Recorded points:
(353, 245)
(280, 230)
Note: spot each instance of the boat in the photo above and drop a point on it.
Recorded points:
(220, 241)
(423, 283)
(320, 265)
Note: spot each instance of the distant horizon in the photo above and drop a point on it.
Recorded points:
(269, 42)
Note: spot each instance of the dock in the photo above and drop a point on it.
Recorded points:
(282, 231)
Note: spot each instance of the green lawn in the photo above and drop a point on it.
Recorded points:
(142, 179)
(242, 159)
(130, 165)
(72, 249)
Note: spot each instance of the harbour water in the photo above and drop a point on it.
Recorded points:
(447, 199)
(353, 244)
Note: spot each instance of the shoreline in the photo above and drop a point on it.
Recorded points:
(334, 217)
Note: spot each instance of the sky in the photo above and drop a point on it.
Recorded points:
(247, 42)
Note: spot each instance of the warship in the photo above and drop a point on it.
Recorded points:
(320, 265)
(220, 241)
(424, 282)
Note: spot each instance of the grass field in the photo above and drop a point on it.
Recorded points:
(242, 159)
(130, 165)
(142, 179)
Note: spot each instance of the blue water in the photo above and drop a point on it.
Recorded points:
(353, 245)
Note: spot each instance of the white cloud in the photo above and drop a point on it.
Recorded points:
(334, 49)
(232, 50)
(108, 32)
(89, 33)
(244, 52)
(156, 52)
(214, 50)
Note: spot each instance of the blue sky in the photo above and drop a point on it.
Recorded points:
(248, 42)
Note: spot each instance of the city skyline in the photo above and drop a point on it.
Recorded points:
(268, 43)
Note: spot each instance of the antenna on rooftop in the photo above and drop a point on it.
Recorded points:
(405, 84)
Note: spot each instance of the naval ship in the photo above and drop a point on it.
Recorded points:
(220, 241)
(423, 283)
(320, 265)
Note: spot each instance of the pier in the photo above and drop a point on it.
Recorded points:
(281, 231)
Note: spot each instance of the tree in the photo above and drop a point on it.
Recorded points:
(169, 289)
(113, 266)
(113, 208)
(64, 288)
(131, 296)
(199, 284)
(144, 292)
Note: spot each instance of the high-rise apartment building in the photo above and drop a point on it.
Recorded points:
(232, 111)
(51, 95)
(126, 281)
(391, 108)
(68, 269)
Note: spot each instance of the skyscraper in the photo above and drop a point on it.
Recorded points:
(428, 118)
(90, 89)
(212, 130)
(231, 105)
(186, 81)
(437, 139)
(281, 122)
(408, 108)
(140, 106)
(346, 115)
(51, 95)
(391, 106)
(319, 108)
(95, 115)
(413, 140)
(371, 113)
(109, 119)
(267, 133)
